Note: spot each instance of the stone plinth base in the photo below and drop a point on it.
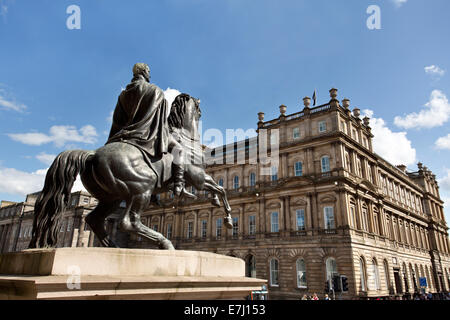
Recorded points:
(108, 273)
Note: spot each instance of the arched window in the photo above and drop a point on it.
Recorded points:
(362, 271)
(386, 274)
(250, 266)
(375, 275)
(325, 161)
(252, 179)
(298, 169)
(331, 267)
(221, 182)
(274, 269)
(353, 214)
(236, 182)
(364, 217)
(301, 274)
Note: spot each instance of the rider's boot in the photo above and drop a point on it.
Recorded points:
(179, 189)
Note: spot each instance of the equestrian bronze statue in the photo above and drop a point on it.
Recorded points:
(151, 149)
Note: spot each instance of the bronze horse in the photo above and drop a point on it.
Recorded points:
(118, 172)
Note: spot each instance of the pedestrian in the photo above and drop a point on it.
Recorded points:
(315, 297)
(305, 297)
(327, 297)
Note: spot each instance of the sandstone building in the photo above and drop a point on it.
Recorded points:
(330, 206)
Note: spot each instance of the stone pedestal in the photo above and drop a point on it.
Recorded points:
(109, 273)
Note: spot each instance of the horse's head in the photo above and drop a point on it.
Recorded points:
(185, 113)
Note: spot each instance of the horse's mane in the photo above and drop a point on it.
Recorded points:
(178, 110)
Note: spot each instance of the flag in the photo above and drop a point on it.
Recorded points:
(314, 97)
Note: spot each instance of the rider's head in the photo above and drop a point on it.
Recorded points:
(142, 69)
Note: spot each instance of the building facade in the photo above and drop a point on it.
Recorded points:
(329, 205)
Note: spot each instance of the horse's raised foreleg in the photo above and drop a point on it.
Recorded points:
(96, 221)
(211, 185)
(131, 222)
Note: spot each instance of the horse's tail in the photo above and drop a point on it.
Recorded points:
(55, 196)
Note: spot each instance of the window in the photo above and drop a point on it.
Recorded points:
(204, 228)
(250, 267)
(274, 268)
(235, 230)
(296, 133)
(190, 229)
(364, 219)
(155, 227)
(386, 274)
(301, 274)
(236, 183)
(252, 179)
(322, 126)
(353, 216)
(325, 161)
(251, 225)
(298, 169)
(362, 270)
(329, 217)
(375, 275)
(300, 219)
(274, 176)
(69, 225)
(274, 222)
(221, 182)
(218, 228)
(169, 230)
(331, 268)
(343, 127)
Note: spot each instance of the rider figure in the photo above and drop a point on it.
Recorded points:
(140, 119)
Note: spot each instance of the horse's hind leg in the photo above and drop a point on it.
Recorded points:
(131, 222)
(96, 221)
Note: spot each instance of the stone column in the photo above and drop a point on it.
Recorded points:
(287, 214)
(241, 221)
(262, 216)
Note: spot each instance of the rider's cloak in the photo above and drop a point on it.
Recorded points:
(140, 118)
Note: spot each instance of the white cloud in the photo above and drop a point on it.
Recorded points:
(17, 182)
(46, 158)
(443, 142)
(8, 104)
(399, 3)
(444, 183)
(435, 113)
(395, 147)
(170, 95)
(58, 135)
(434, 71)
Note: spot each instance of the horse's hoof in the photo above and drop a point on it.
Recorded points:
(228, 222)
(166, 245)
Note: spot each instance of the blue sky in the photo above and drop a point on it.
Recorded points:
(59, 86)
